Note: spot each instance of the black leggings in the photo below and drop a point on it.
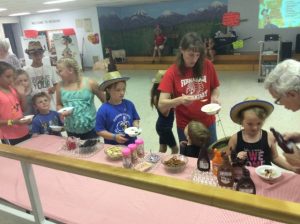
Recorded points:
(16, 140)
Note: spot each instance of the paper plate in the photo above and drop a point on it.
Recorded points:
(56, 128)
(66, 109)
(267, 172)
(211, 108)
(27, 117)
(133, 131)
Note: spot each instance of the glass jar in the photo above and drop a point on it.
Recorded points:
(133, 149)
(126, 155)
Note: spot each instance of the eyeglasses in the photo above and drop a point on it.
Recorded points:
(277, 101)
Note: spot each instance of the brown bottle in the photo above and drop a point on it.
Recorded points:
(203, 162)
(287, 146)
(237, 165)
(245, 184)
(225, 173)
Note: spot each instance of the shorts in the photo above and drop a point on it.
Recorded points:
(160, 47)
(166, 136)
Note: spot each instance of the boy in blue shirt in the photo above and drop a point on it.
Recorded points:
(45, 118)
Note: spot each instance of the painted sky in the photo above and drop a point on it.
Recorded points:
(189, 6)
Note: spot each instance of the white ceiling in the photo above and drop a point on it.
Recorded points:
(32, 6)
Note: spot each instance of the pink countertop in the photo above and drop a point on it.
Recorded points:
(72, 198)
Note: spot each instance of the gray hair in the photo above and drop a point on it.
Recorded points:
(4, 45)
(285, 77)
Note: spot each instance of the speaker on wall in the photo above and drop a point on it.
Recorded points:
(286, 50)
(297, 49)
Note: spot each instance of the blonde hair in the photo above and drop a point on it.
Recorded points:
(199, 134)
(261, 113)
(71, 63)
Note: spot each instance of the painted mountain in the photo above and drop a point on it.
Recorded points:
(168, 18)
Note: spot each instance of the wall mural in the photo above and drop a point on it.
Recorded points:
(132, 27)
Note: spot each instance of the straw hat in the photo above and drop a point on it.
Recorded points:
(34, 46)
(249, 102)
(159, 76)
(111, 78)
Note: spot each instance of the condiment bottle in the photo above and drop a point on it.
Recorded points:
(140, 148)
(216, 161)
(237, 165)
(225, 173)
(203, 162)
(126, 154)
(287, 146)
(133, 149)
(245, 184)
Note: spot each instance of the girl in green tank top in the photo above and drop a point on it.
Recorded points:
(77, 92)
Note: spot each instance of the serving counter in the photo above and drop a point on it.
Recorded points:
(98, 190)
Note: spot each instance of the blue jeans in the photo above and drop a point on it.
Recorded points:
(212, 130)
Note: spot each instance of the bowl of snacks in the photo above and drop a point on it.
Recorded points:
(268, 173)
(114, 152)
(66, 109)
(174, 163)
(211, 109)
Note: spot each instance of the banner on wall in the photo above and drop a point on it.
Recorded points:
(42, 39)
(66, 47)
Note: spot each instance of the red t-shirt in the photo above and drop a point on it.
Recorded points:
(201, 88)
(159, 39)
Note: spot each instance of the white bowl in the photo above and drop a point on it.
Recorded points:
(133, 131)
(66, 109)
(211, 108)
(27, 117)
(267, 172)
(56, 128)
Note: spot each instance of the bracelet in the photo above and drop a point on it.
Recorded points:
(10, 122)
(114, 137)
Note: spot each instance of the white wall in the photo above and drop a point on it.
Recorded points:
(60, 20)
(249, 10)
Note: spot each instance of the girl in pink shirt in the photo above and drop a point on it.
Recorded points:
(13, 129)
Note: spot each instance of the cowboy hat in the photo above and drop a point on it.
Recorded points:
(159, 76)
(111, 78)
(34, 46)
(249, 102)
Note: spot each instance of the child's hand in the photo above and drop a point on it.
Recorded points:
(183, 143)
(120, 138)
(242, 155)
(20, 90)
(51, 90)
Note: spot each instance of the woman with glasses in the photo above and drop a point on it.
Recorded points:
(189, 84)
(283, 84)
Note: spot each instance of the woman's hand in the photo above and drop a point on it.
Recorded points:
(292, 136)
(293, 158)
(186, 99)
(51, 90)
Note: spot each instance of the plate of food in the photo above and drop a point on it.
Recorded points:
(56, 128)
(114, 152)
(174, 163)
(211, 109)
(27, 117)
(267, 172)
(66, 109)
(133, 131)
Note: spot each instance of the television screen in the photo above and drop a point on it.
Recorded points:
(274, 14)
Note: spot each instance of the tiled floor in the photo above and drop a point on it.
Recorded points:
(235, 87)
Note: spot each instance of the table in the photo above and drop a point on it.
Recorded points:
(72, 198)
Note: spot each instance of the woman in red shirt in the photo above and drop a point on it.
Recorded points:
(192, 82)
